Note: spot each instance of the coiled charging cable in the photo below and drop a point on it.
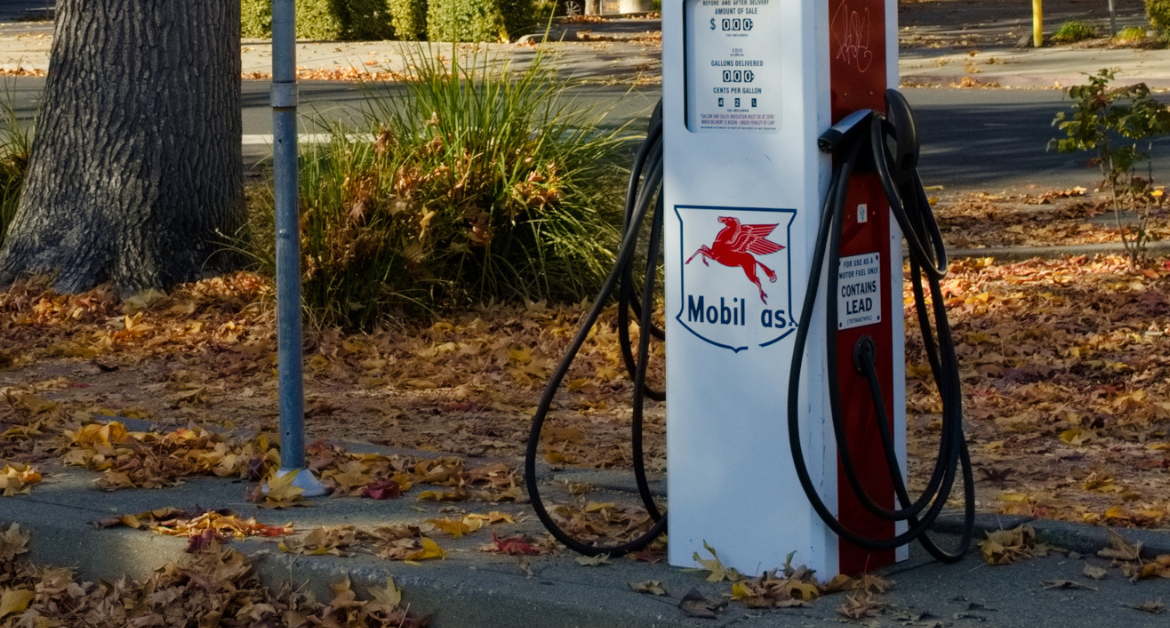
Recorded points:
(890, 142)
(644, 190)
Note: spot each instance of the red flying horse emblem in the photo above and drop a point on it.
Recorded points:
(737, 245)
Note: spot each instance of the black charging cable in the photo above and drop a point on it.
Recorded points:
(645, 189)
(889, 144)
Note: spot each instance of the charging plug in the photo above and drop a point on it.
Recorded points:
(845, 127)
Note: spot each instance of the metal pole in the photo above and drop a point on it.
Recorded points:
(1112, 19)
(1037, 23)
(288, 263)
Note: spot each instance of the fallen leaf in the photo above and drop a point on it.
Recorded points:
(512, 546)
(860, 605)
(1096, 573)
(695, 604)
(15, 601)
(429, 551)
(1003, 547)
(1065, 584)
(1153, 607)
(1121, 549)
(649, 587)
(385, 489)
(388, 597)
(718, 573)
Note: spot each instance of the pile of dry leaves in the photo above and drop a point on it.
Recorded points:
(1066, 387)
(216, 586)
(1059, 217)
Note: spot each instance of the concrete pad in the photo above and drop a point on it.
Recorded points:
(473, 588)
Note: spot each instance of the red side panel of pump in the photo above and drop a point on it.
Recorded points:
(857, 46)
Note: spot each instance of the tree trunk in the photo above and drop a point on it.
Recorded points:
(136, 172)
(593, 7)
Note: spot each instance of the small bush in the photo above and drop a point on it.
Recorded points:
(479, 20)
(1114, 122)
(477, 186)
(1158, 12)
(322, 19)
(409, 18)
(1073, 31)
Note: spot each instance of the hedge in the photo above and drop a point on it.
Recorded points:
(1159, 13)
(409, 18)
(479, 20)
(322, 19)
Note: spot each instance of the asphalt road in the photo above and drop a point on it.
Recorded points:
(972, 139)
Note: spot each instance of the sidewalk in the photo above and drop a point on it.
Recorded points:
(628, 51)
(471, 588)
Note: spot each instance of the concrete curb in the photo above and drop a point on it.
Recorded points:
(471, 588)
(1077, 537)
(1054, 81)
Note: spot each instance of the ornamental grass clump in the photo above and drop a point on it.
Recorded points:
(1073, 31)
(1130, 35)
(15, 143)
(475, 185)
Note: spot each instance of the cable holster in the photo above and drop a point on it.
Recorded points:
(889, 145)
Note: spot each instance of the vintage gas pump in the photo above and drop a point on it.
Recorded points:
(788, 187)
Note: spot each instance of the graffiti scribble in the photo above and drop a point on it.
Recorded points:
(851, 31)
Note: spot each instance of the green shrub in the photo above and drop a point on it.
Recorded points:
(479, 20)
(1158, 12)
(256, 18)
(520, 17)
(15, 143)
(475, 187)
(1114, 122)
(1073, 31)
(410, 19)
(322, 19)
(366, 20)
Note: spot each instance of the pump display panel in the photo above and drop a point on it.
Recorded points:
(733, 78)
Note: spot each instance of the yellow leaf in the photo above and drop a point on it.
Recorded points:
(15, 601)
(803, 590)
(1009, 496)
(492, 517)
(389, 596)
(740, 591)
(840, 582)
(456, 529)
(1076, 436)
(1116, 512)
(430, 550)
(715, 566)
(439, 496)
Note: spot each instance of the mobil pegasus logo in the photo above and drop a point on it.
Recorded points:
(736, 283)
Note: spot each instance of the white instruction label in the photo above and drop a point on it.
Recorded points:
(732, 69)
(859, 291)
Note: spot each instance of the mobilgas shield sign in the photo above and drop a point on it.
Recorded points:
(736, 280)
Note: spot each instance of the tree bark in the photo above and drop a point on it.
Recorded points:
(136, 171)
